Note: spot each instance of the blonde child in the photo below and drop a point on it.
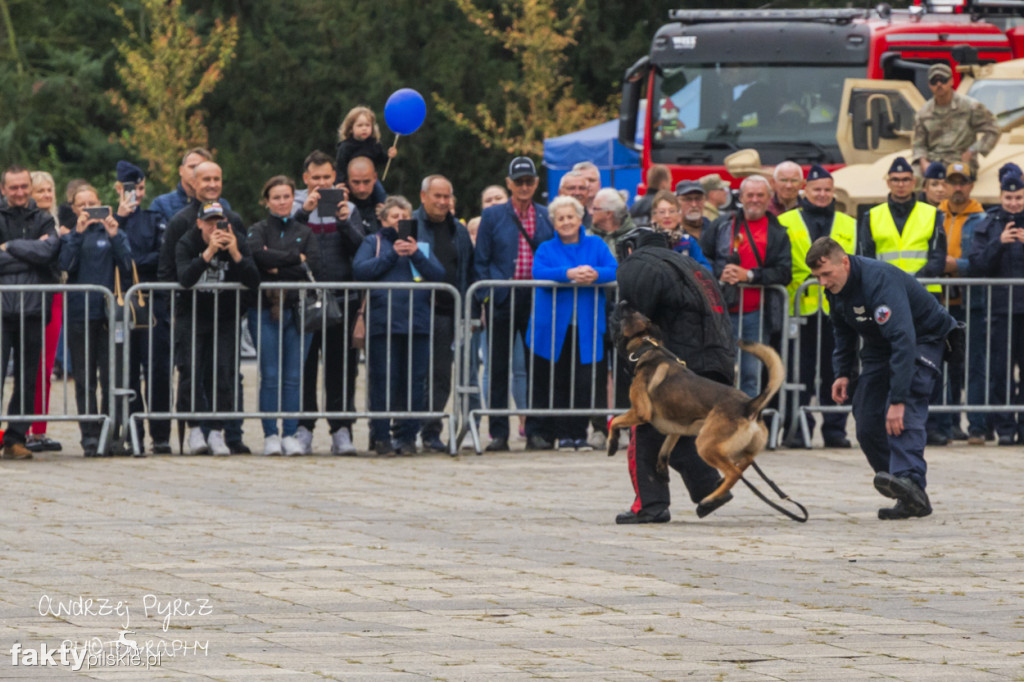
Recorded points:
(359, 135)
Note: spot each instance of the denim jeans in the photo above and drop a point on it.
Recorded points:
(750, 367)
(280, 338)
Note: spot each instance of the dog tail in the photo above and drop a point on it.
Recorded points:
(776, 375)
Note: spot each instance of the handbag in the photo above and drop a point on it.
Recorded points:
(136, 308)
(317, 306)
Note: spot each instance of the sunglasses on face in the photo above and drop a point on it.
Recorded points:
(935, 80)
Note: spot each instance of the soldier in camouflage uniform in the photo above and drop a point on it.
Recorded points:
(946, 128)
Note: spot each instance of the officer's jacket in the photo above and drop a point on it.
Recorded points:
(843, 229)
(990, 257)
(894, 315)
(907, 234)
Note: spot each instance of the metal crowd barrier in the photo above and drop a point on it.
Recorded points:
(18, 319)
(520, 292)
(280, 289)
(974, 380)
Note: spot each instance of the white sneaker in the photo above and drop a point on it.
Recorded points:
(217, 445)
(341, 442)
(197, 442)
(597, 440)
(305, 437)
(291, 446)
(272, 445)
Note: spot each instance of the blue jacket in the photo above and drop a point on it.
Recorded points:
(388, 266)
(894, 315)
(172, 202)
(992, 258)
(688, 246)
(552, 260)
(497, 245)
(145, 230)
(89, 258)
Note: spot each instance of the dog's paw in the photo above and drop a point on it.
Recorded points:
(613, 443)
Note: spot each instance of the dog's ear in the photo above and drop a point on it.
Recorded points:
(654, 331)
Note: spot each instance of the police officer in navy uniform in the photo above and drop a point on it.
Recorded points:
(904, 331)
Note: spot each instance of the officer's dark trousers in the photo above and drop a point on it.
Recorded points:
(818, 330)
(901, 455)
(152, 364)
(1007, 352)
(501, 325)
(340, 368)
(92, 370)
(652, 494)
(439, 381)
(23, 336)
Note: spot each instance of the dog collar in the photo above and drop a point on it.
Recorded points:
(653, 343)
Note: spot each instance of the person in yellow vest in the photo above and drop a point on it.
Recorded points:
(815, 216)
(962, 214)
(903, 231)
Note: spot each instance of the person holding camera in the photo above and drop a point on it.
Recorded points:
(998, 251)
(398, 355)
(145, 232)
(284, 250)
(213, 251)
(90, 254)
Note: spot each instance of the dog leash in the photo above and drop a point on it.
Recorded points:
(779, 492)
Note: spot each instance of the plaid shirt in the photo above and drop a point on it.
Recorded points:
(524, 260)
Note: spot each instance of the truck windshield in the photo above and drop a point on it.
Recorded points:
(1004, 98)
(723, 107)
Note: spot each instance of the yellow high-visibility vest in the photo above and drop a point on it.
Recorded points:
(843, 230)
(909, 251)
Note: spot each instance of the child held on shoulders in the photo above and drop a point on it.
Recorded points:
(359, 135)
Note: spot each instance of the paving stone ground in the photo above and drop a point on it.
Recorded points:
(506, 567)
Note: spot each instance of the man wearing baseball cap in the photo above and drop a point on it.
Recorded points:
(962, 215)
(507, 238)
(948, 126)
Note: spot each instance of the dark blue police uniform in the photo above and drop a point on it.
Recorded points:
(904, 330)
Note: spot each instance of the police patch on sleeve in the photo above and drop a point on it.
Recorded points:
(882, 314)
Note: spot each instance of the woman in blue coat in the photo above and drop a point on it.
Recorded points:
(567, 327)
(395, 343)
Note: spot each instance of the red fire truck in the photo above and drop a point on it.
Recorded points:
(772, 80)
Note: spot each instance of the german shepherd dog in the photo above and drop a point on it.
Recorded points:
(677, 402)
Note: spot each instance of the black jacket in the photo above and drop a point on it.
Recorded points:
(28, 259)
(350, 148)
(182, 222)
(336, 245)
(682, 298)
(193, 269)
(279, 245)
(145, 231)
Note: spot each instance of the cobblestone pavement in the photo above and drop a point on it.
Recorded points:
(504, 567)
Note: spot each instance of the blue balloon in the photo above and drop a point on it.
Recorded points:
(405, 111)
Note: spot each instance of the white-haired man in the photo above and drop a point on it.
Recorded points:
(752, 248)
(789, 180)
(611, 218)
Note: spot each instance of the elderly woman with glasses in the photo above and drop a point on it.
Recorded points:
(565, 335)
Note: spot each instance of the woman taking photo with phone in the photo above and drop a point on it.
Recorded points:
(90, 254)
(284, 250)
(398, 355)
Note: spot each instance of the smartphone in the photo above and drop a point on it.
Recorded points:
(327, 207)
(223, 225)
(129, 192)
(98, 212)
(406, 228)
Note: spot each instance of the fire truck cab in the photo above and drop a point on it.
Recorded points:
(717, 81)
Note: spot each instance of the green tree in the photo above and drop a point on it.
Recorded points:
(539, 99)
(166, 76)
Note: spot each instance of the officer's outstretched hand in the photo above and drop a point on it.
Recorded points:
(894, 420)
(839, 390)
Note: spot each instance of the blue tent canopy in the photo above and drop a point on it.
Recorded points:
(620, 167)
